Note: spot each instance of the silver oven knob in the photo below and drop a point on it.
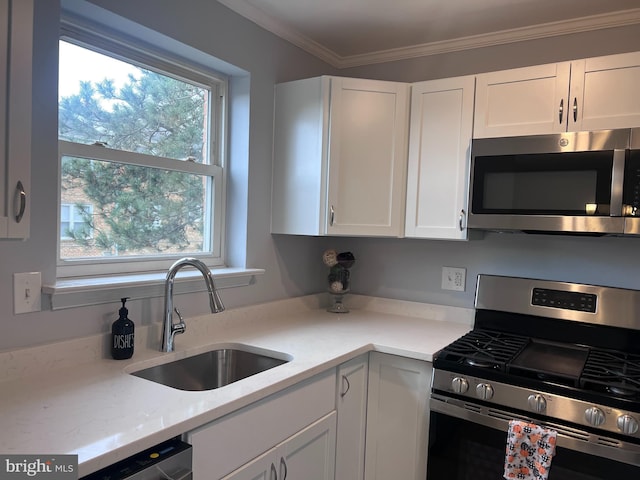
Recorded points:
(459, 385)
(594, 416)
(484, 391)
(627, 424)
(537, 403)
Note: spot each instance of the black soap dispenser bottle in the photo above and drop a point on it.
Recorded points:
(122, 332)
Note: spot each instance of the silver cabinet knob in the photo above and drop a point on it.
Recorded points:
(627, 424)
(537, 403)
(459, 385)
(594, 416)
(484, 391)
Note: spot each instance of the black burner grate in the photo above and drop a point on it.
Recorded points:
(597, 373)
(483, 349)
(612, 372)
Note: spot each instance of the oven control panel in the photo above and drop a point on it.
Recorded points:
(554, 406)
(583, 302)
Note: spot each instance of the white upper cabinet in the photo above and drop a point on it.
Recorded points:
(605, 92)
(340, 148)
(16, 53)
(439, 153)
(522, 101)
(593, 94)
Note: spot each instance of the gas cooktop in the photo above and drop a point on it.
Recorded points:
(569, 352)
(531, 361)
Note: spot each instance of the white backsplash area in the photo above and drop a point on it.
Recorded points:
(42, 358)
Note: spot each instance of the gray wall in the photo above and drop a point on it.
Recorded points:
(400, 268)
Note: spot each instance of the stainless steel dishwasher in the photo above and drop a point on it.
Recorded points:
(170, 460)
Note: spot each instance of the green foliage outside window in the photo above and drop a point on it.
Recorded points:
(138, 209)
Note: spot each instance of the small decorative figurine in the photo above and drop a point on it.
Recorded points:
(339, 264)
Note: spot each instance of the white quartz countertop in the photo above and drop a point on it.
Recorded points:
(70, 398)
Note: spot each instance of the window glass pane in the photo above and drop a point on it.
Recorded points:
(128, 210)
(65, 213)
(105, 100)
(74, 223)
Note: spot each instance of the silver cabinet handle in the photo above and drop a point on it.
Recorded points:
(333, 213)
(283, 464)
(575, 109)
(21, 200)
(461, 219)
(345, 382)
(561, 111)
(274, 473)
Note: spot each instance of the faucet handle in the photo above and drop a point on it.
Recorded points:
(178, 327)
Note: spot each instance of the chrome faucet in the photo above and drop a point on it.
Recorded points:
(169, 329)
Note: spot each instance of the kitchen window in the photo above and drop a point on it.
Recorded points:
(140, 151)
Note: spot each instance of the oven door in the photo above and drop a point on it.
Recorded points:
(468, 442)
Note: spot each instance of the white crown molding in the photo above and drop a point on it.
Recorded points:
(545, 30)
(280, 29)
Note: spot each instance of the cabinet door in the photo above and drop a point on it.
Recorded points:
(605, 92)
(16, 54)
(367, 157)
(307, 455)
(300, 136)
(439, 154)
(351, 404)
(311, 453)
(4, 59)
(523, 101)
(261, 468)
(397, 418)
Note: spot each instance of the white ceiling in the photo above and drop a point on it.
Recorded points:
(355, 32)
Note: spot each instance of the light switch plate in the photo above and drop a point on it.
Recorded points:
(26, 292)
(453, 278)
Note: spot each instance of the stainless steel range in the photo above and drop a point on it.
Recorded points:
(562, 355)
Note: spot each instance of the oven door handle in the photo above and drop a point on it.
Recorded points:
(568, 437)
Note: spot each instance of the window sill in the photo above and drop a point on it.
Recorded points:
(82, 292)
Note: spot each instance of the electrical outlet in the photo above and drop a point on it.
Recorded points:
(26, 292)
(453, 278)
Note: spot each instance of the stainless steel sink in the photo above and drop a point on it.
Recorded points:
(210, 370)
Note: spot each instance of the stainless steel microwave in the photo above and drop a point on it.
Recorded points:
(574, 182)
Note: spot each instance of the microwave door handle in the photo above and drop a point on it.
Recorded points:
(617, 180)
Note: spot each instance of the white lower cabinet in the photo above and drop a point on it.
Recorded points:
(307, 455)
(286, 421)
(371, 422)
(351, 404)
(397, 418)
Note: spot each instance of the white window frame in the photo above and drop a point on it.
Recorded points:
(72, 219)
(166, 64)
